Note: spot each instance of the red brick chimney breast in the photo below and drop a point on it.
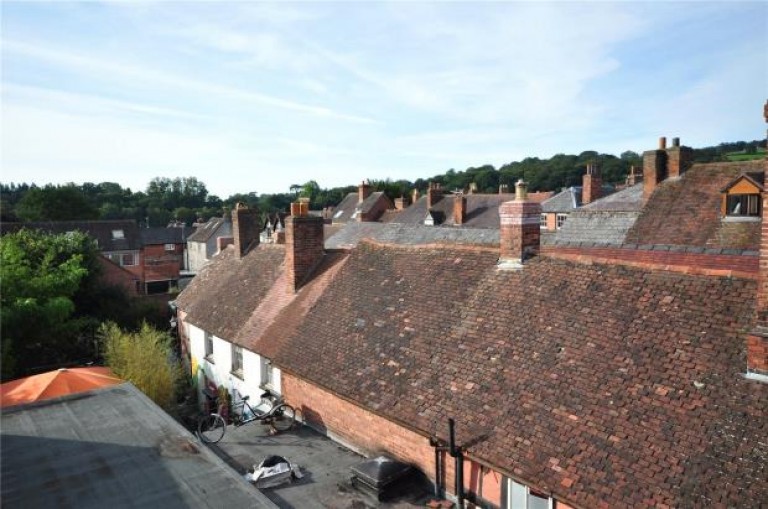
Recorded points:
(520, 234)
(363, 191)
(592, 184)
(654, 168)
(245, 228)
(459, 209)
(304, 248)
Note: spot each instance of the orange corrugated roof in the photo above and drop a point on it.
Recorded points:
(53, 384)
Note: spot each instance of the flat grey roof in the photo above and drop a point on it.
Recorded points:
(111, 448)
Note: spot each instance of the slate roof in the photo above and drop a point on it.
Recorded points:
(601, 384)
(159, 235)
(346, 209)
(99, 230)
(111, 448)
(594, 226)
(565, 201)
(686, 211)
(482, 210)
(408, 234)
(207, 230)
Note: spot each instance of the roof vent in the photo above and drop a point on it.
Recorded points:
(382, 477)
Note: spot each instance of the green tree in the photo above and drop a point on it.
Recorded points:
(55, 203)
(144, 358)
(42, 275)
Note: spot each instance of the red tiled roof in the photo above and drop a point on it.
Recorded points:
(601, 384)
(221, 298)
(686, 211)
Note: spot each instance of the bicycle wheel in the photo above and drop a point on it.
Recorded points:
(211, 428)
(283, 417)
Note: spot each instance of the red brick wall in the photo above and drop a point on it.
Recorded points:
(159, 264)
(374, 434)
(245, 228)
(686, 262)
(654, 170)
(115, 275)
(757, 353)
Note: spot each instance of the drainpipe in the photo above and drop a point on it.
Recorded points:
(455, 452)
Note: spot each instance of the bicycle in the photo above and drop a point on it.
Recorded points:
(280, 417)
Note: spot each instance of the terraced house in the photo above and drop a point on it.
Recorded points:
(624, 373)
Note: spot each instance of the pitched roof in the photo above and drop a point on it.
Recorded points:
(159, 235)
(111, 235)
(111, 448)
(207, 230)
(345, 211)
(409, 234)
(221, 298)
(686, 211)
(565, 201)
(482, 210)
(597, 383)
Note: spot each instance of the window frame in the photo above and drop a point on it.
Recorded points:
(752, 203)
(237, 361)
(560, 219)
(208, 344)
(170, 247)
(267, 374)
(543, 221)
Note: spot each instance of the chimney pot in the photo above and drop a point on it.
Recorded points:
(675, 142)
(521, 190)
(662, 143)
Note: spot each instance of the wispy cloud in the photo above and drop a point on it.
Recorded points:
(112, 69)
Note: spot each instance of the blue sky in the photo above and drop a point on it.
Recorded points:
(252, 96)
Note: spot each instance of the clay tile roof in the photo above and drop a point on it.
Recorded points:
(602, 384)
(221, 298)
(686, 211)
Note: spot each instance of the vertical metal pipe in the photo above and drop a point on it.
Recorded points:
(460, 479)
(451, 438)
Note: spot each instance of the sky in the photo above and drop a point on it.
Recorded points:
(255, 97)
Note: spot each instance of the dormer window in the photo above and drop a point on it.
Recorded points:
(118, 234)
(742, 198)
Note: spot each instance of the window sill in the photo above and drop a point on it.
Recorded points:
(209, 358)
(741, 219)
(238, 374)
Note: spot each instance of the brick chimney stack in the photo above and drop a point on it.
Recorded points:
(592, 184)
(635, 176)
(459, 209)
(434, 194)
(654, 168)
(246, 228)
(757, 340)
(363, 191)
(520, 233)
(679, 159)
(304, 245)
(401, 203)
